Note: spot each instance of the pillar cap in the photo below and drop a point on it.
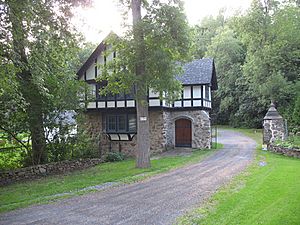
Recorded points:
(272, 113)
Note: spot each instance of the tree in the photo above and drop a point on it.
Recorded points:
(229, 55)
(38, 48)
(203, 33)
(257, 59)
(268, 32)
(148, 57)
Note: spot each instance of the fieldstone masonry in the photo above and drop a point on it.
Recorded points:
(273, 126)
(162, 131)
(201, 130)
(34, 172)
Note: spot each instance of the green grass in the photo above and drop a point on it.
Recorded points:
(42, 191)
(261, 195)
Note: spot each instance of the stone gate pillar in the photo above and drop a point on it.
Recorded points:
(273, 126)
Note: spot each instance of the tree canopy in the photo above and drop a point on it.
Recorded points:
(257, 60)
(38, 51)
(149, 56)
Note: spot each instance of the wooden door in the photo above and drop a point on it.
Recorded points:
(183, 133)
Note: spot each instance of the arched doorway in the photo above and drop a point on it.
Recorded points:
(183, 133)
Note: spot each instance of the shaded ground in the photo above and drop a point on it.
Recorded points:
(158, 200)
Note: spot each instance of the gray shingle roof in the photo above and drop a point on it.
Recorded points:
(201, 71)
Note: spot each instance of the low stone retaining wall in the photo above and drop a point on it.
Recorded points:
(34, 172)
(292, 152)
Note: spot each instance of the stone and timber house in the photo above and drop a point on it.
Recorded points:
(183, 123)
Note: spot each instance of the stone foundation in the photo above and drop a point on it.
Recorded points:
(34, 172)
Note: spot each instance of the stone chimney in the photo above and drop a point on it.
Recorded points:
(273, 126)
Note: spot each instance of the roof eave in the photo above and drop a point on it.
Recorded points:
(100, 48)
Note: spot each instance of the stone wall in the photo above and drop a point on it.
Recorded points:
(168, 133)
(201, 127)
(292, 152)
(157, 134)
(34, 172)
(273, 130)
(95, 126)
(157, 137)
(162, 131)
(158, 131)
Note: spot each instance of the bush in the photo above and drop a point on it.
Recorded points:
(12, 154)
(114, 157)
(291, 142)
(11, 160)
(69, 141)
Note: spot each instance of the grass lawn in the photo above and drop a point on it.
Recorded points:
(43, 190)
(268, 194)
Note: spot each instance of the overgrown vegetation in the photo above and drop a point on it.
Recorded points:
(63, 146)
(64, 142)
(267, 193)
(38, 63)
(13, 154)
(47, 189)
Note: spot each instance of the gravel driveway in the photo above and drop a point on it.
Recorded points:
(158, 200)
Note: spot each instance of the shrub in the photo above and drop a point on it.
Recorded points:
(114, 157)
(72, 141)
(291, 142)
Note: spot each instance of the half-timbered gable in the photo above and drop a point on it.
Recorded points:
(183, 123)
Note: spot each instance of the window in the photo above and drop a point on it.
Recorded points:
(207, 92)
(111, 123)
(131, 123)
(121, 123)
(92, 90)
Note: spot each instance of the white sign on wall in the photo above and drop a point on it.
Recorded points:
(143, 118)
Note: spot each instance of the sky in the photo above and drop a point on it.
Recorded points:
(105, 15)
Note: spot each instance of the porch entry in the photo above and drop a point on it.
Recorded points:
(183, 133)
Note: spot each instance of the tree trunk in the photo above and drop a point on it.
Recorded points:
(35, 114)
(27, 87)
(143, 137)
